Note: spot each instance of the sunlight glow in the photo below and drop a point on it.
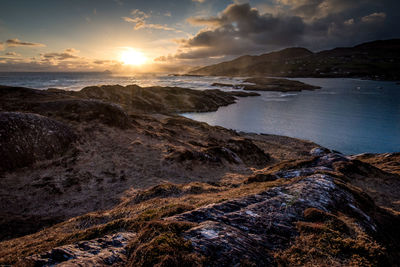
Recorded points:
(133, 57)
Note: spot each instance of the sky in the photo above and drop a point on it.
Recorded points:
(155, 35)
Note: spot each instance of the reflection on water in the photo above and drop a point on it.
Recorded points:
(348, 115)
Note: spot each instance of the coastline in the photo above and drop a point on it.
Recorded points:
(120, 168)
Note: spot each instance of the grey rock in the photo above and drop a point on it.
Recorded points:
(319, 151)
(105, 251)
(253, 227)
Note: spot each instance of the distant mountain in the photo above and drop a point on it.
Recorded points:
(373, 60)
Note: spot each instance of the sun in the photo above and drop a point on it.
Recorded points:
(133, 57)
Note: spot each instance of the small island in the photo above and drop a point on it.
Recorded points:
(269, 84)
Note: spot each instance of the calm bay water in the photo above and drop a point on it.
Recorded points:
(348, 115)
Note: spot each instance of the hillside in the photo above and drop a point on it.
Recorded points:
(373, 60)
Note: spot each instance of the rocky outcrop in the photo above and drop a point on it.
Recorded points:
(274, 84)
(105, 251)
(159, 99)
(268, 84)
(233, 151)
(253, 229)
(103, 102)
(27, 138)
(61, 104)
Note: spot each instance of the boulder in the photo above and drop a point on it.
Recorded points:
(26, 138)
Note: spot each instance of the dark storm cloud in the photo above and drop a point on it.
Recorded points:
(239, 28)
(316, 24)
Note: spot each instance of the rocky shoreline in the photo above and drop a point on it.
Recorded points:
(111, 176)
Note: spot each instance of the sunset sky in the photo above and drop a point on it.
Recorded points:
(123, 36)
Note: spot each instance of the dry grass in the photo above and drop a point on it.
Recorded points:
(160, 243)
(389, 162)
(328, 240)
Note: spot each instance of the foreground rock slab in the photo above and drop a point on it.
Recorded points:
(248, 228)
(105, 251)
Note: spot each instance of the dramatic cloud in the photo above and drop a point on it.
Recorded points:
(16, 42)
(105, 62)
(67, 54)
(315, 9)
(1, 46)
(374, 17)
(12, 54)
(349, 22)
(139, 18)
(71, 51)
(315, 24)
(239, 29)
(164, 58)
